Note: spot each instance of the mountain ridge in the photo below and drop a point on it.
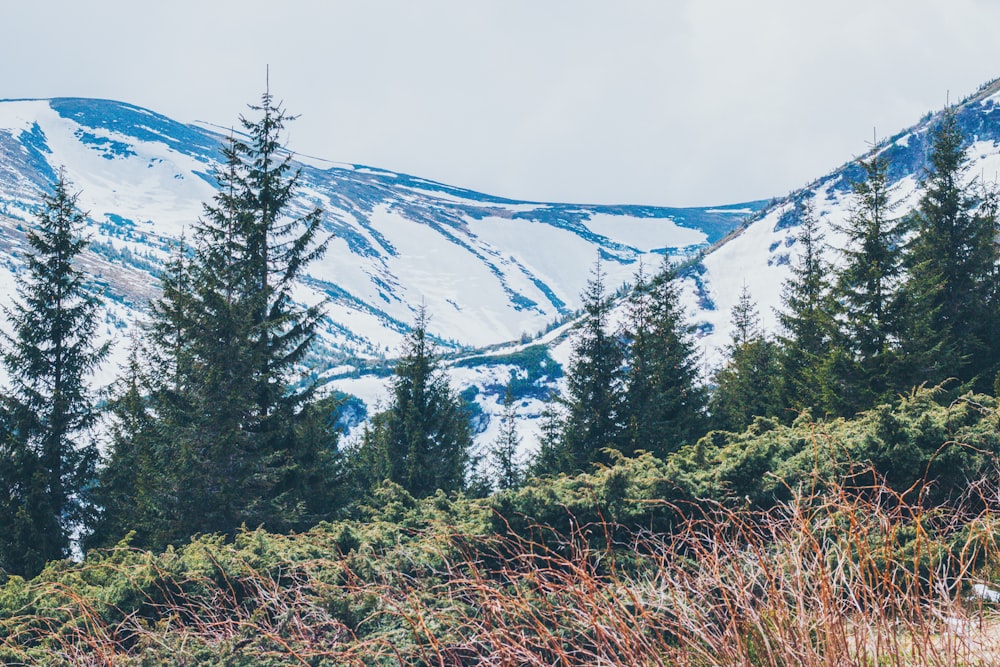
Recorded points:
(368, 215)
(494, 273)
(491, 271)
(760, 251)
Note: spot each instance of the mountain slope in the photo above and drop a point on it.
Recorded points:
(760, 253)
(488, 269)
(491, 271)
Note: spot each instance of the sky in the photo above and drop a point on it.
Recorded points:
(667, 102)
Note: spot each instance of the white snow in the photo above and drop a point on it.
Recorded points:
(645, 233)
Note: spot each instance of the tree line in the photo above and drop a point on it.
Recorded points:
(912, 300)
(212, 425)
(909, 300)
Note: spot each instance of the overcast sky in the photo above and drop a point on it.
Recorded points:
(662, 102)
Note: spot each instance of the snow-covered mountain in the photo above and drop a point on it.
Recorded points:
(761, 253)
(492, 272)
(489, 270)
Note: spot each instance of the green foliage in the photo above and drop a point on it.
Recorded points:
(896, 315)
(124, 495)
(916, 441)
(422, 441)
(951, 265)
(747, 386)
(592, 404)
(32, 535)
(410, 580)
(806, 319)
(663, 402)
(46, 462)
(864, 365)
(233, 441)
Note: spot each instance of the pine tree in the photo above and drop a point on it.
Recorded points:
(32, 534)
(171, 326)
(550, 457)
(746, 385)
(864, 363)
(50, 359)
(663, 404)
(806, 318)
(422, 440)
(504, 459)
(594, 385)
(248, 256)
(125, 495)
(227, 340)
(951, 263)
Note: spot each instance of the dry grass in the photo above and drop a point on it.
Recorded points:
(845, 577)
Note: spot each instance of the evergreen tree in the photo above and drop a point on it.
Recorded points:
(863, 366)
(50, 358)
(422, 440)
(227, 340)
(125, 495)
(171, 327)
(32, 533)
(550, 458)
(504, 460)
(314, 486)
(663, 405)
(746, 386)
(951, 263)
(594, 385)
(806, 318)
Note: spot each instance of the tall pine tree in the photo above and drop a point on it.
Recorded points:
(228, 339)
(951, 263)
(863, 366)
(50, 359)
(592, 404)
(806, 318)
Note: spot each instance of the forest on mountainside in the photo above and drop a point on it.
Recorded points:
(225, 520)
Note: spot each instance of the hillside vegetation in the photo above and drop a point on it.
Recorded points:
(802, 544)
(827, 497)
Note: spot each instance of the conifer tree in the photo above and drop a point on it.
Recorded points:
(129, 479)
(951, 263)
(171, 326)
(550, 457)
(806, 318)
(50, 358)
(32, 534)
(746, 385)
(864, 364)
(422, 440)
(504, 460)
(663, 404)
(594, 385)
(227, 341)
